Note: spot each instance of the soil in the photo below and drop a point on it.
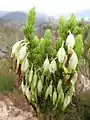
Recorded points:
(14, 106)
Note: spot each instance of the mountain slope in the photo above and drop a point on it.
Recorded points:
(15, 16)
(20, 15)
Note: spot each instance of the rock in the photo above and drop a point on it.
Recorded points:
(12, 108)
(83, 89)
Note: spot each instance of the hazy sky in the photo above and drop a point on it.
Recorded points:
(47, 6)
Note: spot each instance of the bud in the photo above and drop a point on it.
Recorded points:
(25, 65)
(34, 80)
(50, 90)
(60, 97)
(39, 87)
(21, 54)
(54, 97)
(46, 65)
(61, 54)
(53, 66)
(47, 93)
(16, 47)
(59, 86)
(73, 62)
(70, 42)
(67, 100)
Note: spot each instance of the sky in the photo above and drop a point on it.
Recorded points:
(50, 7)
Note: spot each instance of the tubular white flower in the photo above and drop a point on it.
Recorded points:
(54, 97)
(61, 54)
(70, 42)
(21, 54)
(25, 65)
(16, 47)
(67, 101)
(46, 64)
(53, 66)
(73, 62)
(39, 86)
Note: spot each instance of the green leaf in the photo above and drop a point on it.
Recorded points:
(67, 100)
(29, 27)
(79, 46)
(72, 22)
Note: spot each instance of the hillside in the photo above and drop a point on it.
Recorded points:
(15, 16)
(20, 15)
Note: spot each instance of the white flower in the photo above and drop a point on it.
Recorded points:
(25, 65)
(39, 86)
(61, 54)
(46, 64)
(21, 54)
(53, 66)
(16, 47)
(73, 62)
(70, 42)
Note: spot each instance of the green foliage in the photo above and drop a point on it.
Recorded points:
(29, 27)
(63, 31)
(6, 84)
(77, 30)
(86, 44)
(38, 50)
(72, 22)
(79, 46)
(58, 43)
(64, 26)
(44, 48)
(29, 33)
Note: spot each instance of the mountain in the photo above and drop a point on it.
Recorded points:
(15, 16)
(2, 13)
(20, 15)
(41, 18)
